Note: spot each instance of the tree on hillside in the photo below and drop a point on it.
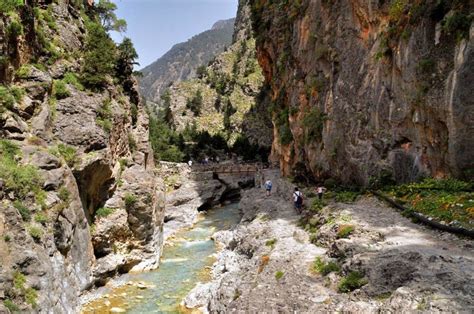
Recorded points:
(126, 56)
(195, 104)
(99, 59)
(229, 110)
(201, 71)
(106, 11)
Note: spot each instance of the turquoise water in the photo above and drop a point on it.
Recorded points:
(184, 263)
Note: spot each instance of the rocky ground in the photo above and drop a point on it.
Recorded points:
(187, 193)
(267, 261)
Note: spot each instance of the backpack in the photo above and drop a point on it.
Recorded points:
(268, 184)
(299, 198)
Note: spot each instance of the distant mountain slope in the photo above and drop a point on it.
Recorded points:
(180, 63)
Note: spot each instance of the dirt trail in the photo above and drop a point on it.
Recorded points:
(265, 264)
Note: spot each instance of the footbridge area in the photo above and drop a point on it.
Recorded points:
(230, 168)
(234, 174)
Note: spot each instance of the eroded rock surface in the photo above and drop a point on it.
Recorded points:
(79, 199)
(266, 261)
(367, 90)
(187, 194)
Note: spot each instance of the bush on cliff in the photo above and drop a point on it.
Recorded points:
(9, 5)
(17, 177)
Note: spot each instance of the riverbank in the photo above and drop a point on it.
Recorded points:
(367, 258)
(186, 260)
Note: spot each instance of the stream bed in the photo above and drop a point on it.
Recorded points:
(186, 261)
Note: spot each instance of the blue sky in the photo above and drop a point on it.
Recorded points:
(156, 25)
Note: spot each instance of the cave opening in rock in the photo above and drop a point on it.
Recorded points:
(95, 183)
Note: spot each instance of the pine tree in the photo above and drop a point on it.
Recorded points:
(105, 9)
(126, 56)
(99, 60)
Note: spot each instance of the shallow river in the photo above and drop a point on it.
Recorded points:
(185, 261)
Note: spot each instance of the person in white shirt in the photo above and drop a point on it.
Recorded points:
(320, 191)
(298, 199)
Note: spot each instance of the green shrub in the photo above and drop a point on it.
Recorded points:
(14, 29)
(18, 93)
(448, 185)
(354, 280)
(31, 297)
(21, 179)
(9, 149)
(283, 125)
(313, 122)
(104, 116)
(130, 200)
(279, 274)
(41, 218)
(7, 6)
(344, 231)
(64, 194)
(317, 205)
(7, 99)
(457, 24)
(132, 144)
(397, 8)
(23, 210)
(40, 196)
(134, 113)
(271, 243)
(346, 196)
(71, 78)
(47, 16)
(7, 238)
(104, 212)
(19, 280)
(35, 232)
(11, 306)
(106, 125)
(123, 164)
(60, 90)
(68, 153)
(323, 268)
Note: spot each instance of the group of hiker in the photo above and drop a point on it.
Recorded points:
(297, 194)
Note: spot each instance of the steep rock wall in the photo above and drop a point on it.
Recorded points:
(79, 201)
(365, 91)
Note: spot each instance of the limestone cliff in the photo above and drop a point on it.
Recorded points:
(79, 201)
(365, 91)
(226, 99)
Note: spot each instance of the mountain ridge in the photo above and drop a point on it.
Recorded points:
(182, 60)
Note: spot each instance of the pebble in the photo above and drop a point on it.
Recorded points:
(117, 310)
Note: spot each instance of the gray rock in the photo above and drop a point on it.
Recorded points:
(44, 160)
(76, 125)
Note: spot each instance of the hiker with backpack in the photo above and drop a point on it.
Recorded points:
(298, 199)
(268, 187)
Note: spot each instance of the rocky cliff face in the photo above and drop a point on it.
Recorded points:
(226, 99)
(182, 61)
(369, 90)
(78, 197)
